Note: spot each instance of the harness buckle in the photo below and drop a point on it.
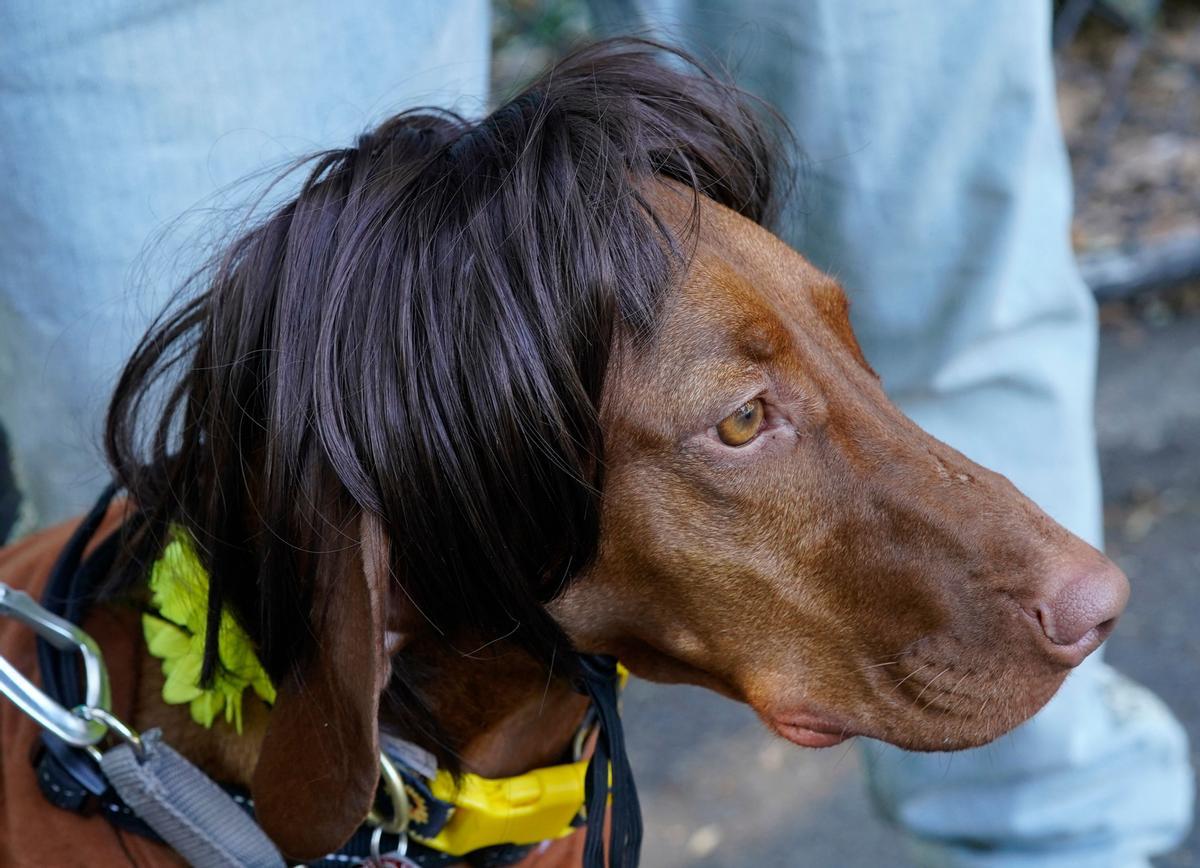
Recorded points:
(79, 728)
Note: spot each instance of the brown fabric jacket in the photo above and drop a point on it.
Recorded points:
(32, 831)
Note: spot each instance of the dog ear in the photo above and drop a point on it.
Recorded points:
(319, 765)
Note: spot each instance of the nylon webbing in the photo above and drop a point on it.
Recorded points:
(187, 810)
(600, 682)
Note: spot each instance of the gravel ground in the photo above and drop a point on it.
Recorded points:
(719, 791)
(1130, 105)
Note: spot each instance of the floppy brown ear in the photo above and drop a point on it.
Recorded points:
(319, 765)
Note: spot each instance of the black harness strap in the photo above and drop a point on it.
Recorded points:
(600, 681)
(68, 594)
(68, 776)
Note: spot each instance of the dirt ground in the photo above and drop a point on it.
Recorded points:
(718, 790)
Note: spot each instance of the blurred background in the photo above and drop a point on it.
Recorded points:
(1129, 98)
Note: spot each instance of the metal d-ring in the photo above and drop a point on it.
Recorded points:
(116, 726)
(393, 785)
(377, 847)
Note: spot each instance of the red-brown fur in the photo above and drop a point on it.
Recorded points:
(845, 570)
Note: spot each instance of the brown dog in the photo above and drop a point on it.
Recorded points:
(488, 393)
(841, 571)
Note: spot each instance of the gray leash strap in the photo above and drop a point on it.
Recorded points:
(182, 804)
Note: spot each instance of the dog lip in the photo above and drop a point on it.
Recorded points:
(808, 730)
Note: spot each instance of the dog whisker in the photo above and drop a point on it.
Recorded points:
(949, 709)
(843, 755)
(951, 691)
(954, 689)
(877, 665)
(930, 684)
(960, 698)
(983, 705)
(896, 686)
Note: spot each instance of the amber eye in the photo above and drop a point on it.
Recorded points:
(741, 426)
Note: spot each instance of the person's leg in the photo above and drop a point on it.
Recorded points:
(117, 117)
(937, 190)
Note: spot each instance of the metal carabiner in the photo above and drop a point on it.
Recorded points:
(51, 715)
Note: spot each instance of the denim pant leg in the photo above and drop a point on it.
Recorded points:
(118, 116)
(937, 190)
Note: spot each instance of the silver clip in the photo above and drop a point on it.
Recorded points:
(62, 634)
(398, 858)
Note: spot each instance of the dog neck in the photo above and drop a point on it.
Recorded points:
(503, 711)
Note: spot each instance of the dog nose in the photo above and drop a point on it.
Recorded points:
(1079, 611)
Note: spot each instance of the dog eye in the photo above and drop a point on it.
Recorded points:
(741, 426)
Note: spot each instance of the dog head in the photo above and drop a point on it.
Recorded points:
(543, 382)
(775, 529)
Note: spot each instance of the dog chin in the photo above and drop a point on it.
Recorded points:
(806, 737)
(809, 730)
(955, 734)
(946, 744)
(922, 732)
(817, 733)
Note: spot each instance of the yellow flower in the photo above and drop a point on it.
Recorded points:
(179, 588)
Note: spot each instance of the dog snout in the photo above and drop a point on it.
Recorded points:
(1077, 610)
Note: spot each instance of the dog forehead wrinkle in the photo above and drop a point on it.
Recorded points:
(763, 339)
(727, 304)
(769, 324)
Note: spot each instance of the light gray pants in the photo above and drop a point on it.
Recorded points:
(937, 190)
(116, 117)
